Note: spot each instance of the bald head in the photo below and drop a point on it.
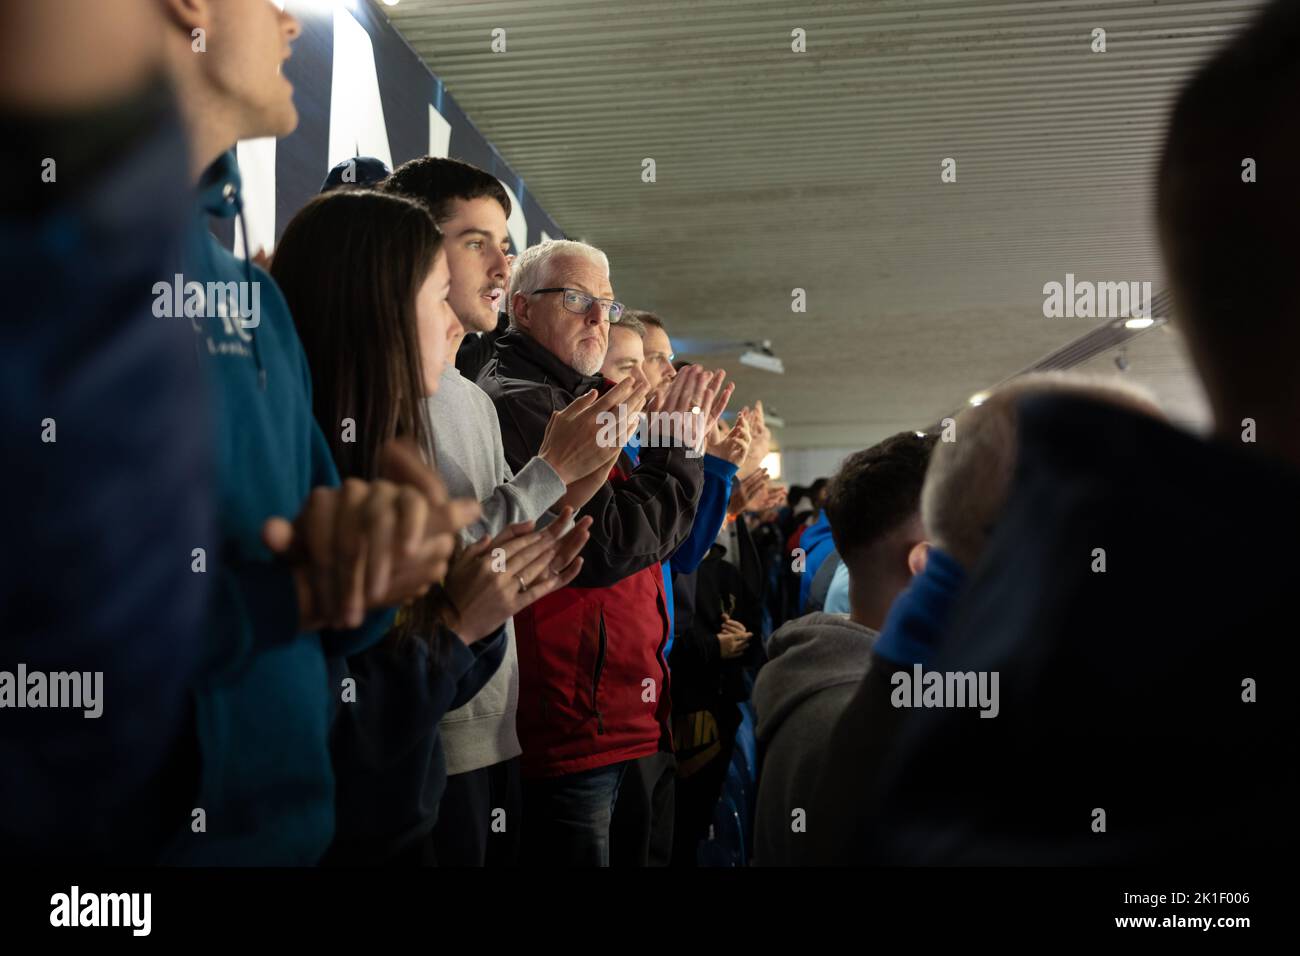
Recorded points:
(969, 476)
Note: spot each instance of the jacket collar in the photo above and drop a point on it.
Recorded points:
(519, 355)
(219, 187)
(919, 619)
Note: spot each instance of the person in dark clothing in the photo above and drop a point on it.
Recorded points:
(388, 762)
(360, 171)
(720, 610)
(714, 647)
(107, 433)
(377, 348)
(1127, 734)
(1131, 594)
(741, 550)
(966, 485)
(769, 545)
(642, 829)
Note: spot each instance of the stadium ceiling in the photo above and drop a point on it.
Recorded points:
(778, 170)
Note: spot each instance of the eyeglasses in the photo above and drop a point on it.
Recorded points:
(579, 303)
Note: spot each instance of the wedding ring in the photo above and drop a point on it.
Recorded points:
(522, 587)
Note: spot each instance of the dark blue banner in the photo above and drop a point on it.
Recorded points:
(361, 91)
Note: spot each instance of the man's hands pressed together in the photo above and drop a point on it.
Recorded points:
(733, 638)
(365, 545)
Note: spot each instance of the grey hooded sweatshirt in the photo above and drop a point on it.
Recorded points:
(467, 451)
(815, 664)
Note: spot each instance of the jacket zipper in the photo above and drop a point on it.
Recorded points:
(595, 681)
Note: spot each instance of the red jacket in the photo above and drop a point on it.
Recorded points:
(593, 684)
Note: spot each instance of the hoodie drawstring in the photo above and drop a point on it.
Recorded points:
(238, 201)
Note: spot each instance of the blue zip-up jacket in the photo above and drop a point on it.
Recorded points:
(264, 706)
(709, 516)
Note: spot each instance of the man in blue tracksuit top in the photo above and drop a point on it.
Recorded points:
(263, 709)
(263, 702)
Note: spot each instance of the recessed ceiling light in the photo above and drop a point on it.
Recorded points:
(765, 361)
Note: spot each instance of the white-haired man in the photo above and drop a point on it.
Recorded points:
(593, 692)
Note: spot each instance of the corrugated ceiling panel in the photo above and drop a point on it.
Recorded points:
(820, 170)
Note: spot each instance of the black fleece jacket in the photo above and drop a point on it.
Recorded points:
(637, 522)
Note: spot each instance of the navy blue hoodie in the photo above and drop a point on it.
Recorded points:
(265, 704)
(1123, 690)
(388, 753)
(100, 521)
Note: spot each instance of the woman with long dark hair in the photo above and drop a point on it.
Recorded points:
(366, 279)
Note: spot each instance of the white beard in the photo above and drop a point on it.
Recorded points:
(586, 361)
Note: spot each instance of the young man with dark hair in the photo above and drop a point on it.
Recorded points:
(1134, 595)
(479, 738)
(816, 662)
(471, 208)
